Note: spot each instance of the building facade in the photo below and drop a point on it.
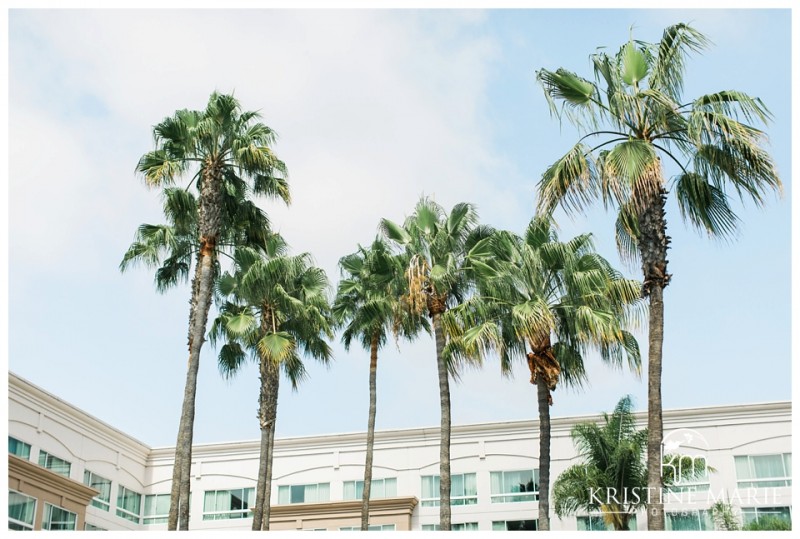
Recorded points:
(69, 470)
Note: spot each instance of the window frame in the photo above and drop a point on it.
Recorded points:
(248, 499)
(359, 493)
(762, 512)
(48, 463)
(370, 528)
(281, 488)
(758, 482)
(97, 501)
(632, 522)
(23, 525)
(25, 445)
(462, 499)
(506, 496)
(504, 523)
(155, 518)
(456, 527)
(704, 519)
(121, 512)
(47, 514)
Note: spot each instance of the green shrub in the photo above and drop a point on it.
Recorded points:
(769, 523)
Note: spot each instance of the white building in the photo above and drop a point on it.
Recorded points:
(56, 450)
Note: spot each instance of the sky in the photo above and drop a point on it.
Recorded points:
(374, 108)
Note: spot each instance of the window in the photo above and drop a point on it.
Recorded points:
(18, 448)
(752, 514)
(102, 500)
(463, 490)
(92, 528)
(515, 525)
(596, 523)
(764, 471)
(156, 509)
(129, 504)
(227, 504)
(54, 464)
(21, 511)
(698, 484)
(56, 518)
(375, 528)
(320, 492)
(380, 488)
(461, 527)
(516, 486)
(689, 521)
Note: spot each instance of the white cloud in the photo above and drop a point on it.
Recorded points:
(372, 110)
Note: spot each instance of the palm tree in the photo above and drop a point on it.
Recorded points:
(367, 306)
(613, 477)
(277, 311)
(228, 150)
(637, 95)
(439, 278)
(550, 302)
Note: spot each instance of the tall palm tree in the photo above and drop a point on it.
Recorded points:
(368, 308)
(276, 311)
(224, 149)
(439, 278)
(551, 302)
(635, 111)
(613, 477)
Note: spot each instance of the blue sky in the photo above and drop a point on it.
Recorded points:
(373, 109)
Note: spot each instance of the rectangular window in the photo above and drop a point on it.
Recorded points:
(515, 486)
(319, 492)
(129, 504)
(460, 527)
(764, 471)
(463, 490)
(593, 523)
(689, 521)
(380, 488)
(596, 523)
(228, 504)
(19, 448)
(515, 525)
(54, 464)
(375, 528)
(56, 518)
(21, 511)
(156, 509)
(102, 500)
(92, 528)
(697, 484)
(753, 514)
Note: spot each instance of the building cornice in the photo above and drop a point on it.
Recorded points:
(67, 414)
(402, 505)
(21, 390)
(560, 426)
(32, 474)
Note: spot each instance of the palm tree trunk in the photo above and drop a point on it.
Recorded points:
(653, 245)
(272, 415)
(191, 377)
(444, 443)
(263, 419)
(655, 518)
(373, 375)
(209, 219)
(543, 393)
